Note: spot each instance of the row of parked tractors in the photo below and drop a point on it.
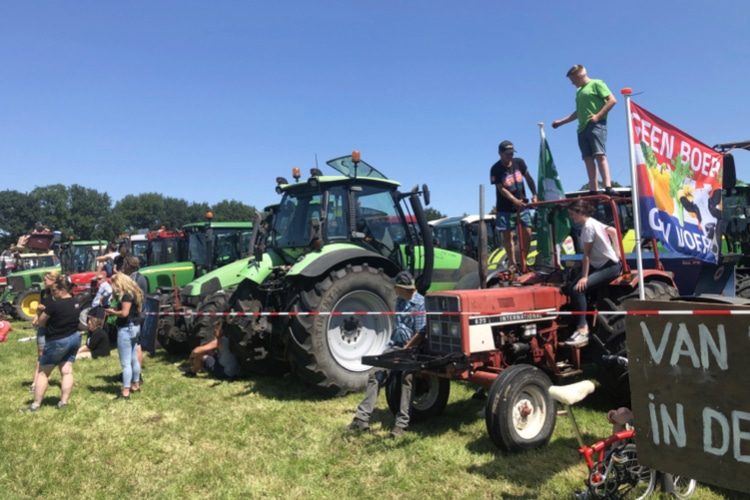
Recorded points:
(332, 245)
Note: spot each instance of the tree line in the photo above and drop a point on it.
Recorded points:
(84, 213)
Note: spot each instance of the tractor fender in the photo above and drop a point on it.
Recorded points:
(323, 263)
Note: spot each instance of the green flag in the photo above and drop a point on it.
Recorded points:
(549, 188)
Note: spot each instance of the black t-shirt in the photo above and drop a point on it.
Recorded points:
(118, 262)
(132, 316)
(98, 343)
(45, 297)
(512, 179)
(63, 318)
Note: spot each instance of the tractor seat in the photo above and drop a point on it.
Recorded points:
(573, 393)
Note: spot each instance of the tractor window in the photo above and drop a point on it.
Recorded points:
(78, 259)
(379, 219)
(229, 245)
(245, 238)
(165, 251)
(197, 248)
(336, 215)
(139, 249)
(298, 216)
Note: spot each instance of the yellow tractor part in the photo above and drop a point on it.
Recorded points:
(29, 303)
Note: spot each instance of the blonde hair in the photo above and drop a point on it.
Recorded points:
(52, 275)
(123, 284)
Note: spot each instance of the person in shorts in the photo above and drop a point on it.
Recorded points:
(60, 318)
(593, 102)
(45, 297)
(507, 175)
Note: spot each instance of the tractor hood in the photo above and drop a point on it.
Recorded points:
(41, 271)
(258, 271)
(219, 279)
(160, 275)
(500, 300)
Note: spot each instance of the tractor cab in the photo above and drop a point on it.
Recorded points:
(461, 234)
(80, 256)
(165, 246)
(211, 245)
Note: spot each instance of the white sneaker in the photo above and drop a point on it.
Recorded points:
(578, 339)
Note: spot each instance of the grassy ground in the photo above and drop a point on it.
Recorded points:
(256, 438)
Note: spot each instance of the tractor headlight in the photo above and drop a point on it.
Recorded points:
(454, 329)
(435, 328)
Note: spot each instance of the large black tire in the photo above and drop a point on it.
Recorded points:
(428, 399)
(743, 286)
(520, 414)
(327, 350)
(170, 336)
(610, 333)
(26, 303)
(203, 327)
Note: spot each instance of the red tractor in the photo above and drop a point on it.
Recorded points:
(509, 339)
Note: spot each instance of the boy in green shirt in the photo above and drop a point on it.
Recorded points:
(593, 102)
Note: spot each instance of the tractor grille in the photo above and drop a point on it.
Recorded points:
(16, 283)
(443, 331)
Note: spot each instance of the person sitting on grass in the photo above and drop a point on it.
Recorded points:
(214, 357)
(97, 341)
(408, 333)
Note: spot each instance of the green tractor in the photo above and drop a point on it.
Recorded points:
(736, 220)
(76, 258)
(21, 295)
(207, 253)
(333, 246)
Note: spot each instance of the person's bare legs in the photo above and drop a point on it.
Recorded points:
(591, 171)
(66, 386)
(603, 164)
(42, 381)
(510, 247)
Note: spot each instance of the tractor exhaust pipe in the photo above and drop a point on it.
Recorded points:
(424, 280)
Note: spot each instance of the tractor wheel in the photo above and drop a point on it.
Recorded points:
(203, 326)
(428, 399)
(171, 338)
(520, 413)
(327, 350)
(26, 304)
(743, 286)
(610, 330)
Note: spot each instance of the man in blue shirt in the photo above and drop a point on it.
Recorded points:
(408, 332)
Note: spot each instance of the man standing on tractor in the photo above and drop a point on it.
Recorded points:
(593, 102)
(408, 333)
(507, 175)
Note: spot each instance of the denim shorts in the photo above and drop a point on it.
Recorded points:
(506, 221)
(60, 351)
(592, 139)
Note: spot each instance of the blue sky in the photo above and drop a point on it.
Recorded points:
(212, 100)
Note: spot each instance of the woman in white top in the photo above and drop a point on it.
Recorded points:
(601, 263)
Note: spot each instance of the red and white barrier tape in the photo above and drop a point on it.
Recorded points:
(638, 312)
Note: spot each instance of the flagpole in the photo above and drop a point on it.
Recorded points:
(627, 92)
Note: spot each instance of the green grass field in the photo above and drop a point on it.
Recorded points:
(262, 437)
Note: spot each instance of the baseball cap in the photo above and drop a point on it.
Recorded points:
(505, 146)
(404, 279)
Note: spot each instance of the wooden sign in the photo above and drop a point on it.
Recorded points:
(690, 390)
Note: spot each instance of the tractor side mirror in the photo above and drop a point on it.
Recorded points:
(426, 195)
(729, 177)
